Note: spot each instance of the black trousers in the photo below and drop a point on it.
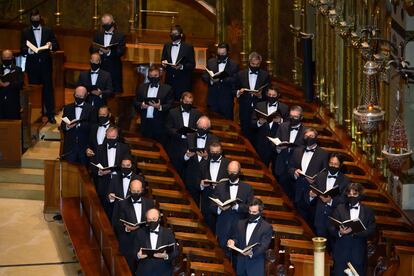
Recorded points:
(10, 107)
(41, 73)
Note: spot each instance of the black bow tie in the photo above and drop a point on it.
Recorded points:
(137, 202)
(80, 106)
(201, 137)
(153, 85)
(109, 33)
(353, 207)
(155, 232)
(294, 128)
(221, 61)
(128, 176)
(94, 73)
(212, 161)
(275, 104)
(331, 176)
(254, 221)
(254, 72)
(176, 44)
(112, 146)
(233, 184)
(7, 67)
(308, 150)
(36, 29)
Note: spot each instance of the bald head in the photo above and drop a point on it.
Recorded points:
(234, 167)
(135, 186)
(81, 92)
(204, 122)
(153, 215)
(7, 54)
(96, 58)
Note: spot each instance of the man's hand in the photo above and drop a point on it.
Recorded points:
(344, 230)
(164, 62)
(261, 121)
(230, 243)
(155, 105)
(111, 196)
(49, 45)
(203, 154)
(89, 152)
(72, 125)
(144, 106)
(224, 208)
(162, 255)
(297, 172)
(129, 228)
(325, 199)
(97, 92)
(105, 172)
(277, 119)
(4, 84)
(310, 181)
(248, 253)
(241, 91)
(312, 194)
(140, 255)
(190, 154)
(104, 51)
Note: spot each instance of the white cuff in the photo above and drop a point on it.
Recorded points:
(219, 211)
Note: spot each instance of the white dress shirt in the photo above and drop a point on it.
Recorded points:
(111, 153)
(6, 70)
(152, 93)
(201, 144)
(100, 134)
(107, 39)
(221, 67)
(270, 110)
(249, 230)
(252, 80)
(38, 36)
(214, 169)
(125, 187)
(186, 119)
(78, 111)
(234, 189)
(306, 158)
(138, 210)
(94, 77)
(354, 213)
(154, 238)
(293, 134)
(174, 52)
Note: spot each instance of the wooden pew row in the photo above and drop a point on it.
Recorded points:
(180, 211)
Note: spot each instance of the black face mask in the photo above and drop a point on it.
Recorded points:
(333, 170)
(352, 200)
(175, 37)
(154, 80)
(152, 225)
(233, 177)
(136, 196)
(95, 66)
(126, 171)
(79, 101)
(102, 120)
(221, 57)
(253, 217)
(202, 131)
(112, 142)
(272, 100)
(310, 141)
(294, 121)
(186, 107)
(7, 62)
(254, 69)
(107, 27)
(215, 156)
(35, 23)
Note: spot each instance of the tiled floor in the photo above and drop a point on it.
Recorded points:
(29, 245)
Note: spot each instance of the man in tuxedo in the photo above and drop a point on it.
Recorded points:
(306, 162)
(326, 180)
(351, 246)
(76, 134)
(221, 88)
(39, 65)
(214, 169)
(263, 128)
(153, 236)
(114, 42)
(97, 81)
(181, 55)
(184, 115)
(251, 78)
(292, 131)
(248, 232)
(10, 89)
(228, 216)
(198, 143)
(153, 101)
(98, 130)
(109, 154)
(132, 209)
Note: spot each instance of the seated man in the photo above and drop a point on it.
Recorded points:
(97, 81)
(351, 246)
(230, 215)
(153, 236)
(76, 134)
(132, 209)
(248, 232)
(198, 143)
(10, 87)
(153, 101)
(213, 169)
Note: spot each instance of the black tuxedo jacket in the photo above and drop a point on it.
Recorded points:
(283, 157)
(242, 81)
(77, 135)
(112, 63)
(116, 185)
(318, 162)
(352, 247)
(222, 172)
(93, 142)
(154, 266)
(103, 82)
(264, 147)
(262, 234)
(180, 80)
(175, 121)
(164, 94)
(12, 92)
(43, 57)
(223, 90)
(323, 210)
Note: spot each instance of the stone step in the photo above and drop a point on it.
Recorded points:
(42, 150)
(22, 191)
(22, 175)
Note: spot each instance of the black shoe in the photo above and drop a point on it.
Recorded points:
(52, 120)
